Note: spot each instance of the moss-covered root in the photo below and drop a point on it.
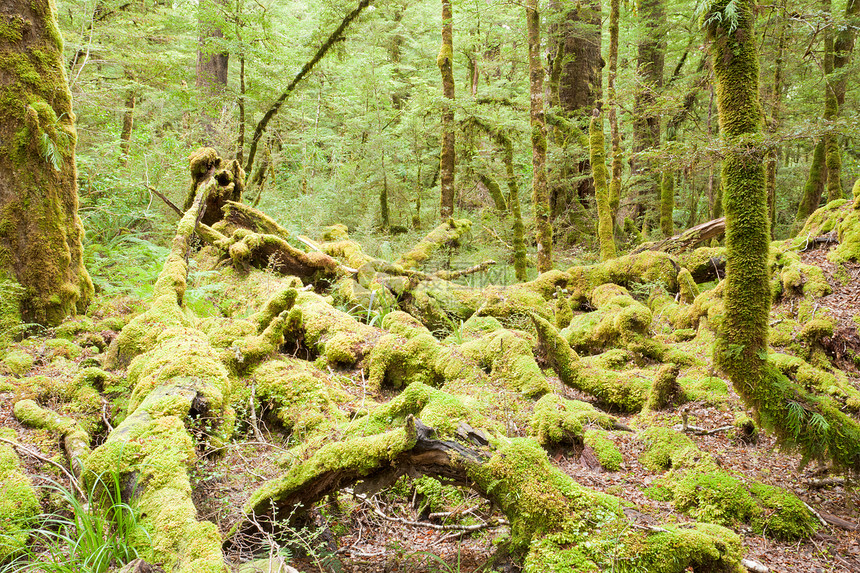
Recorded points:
(665, 389)
(448, 234)
(556, 524)
(619, 321)
(263, 251)
(76, 441)
(509, 356)
(559, 526)
(699, 487)
(611, 388)
(556, 420)
(18, 505)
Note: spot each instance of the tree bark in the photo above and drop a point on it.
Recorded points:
(617, 161)
(212, 61)
(127, 125)
(773, 126)
(40, 231)
(540, 193)
(445, 62)
(833, 156)
(651, 56)
(605, 225)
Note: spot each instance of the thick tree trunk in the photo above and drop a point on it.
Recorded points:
(212, 60)
(575, 80)
(445, 62)
(40, 232)
(540, 193)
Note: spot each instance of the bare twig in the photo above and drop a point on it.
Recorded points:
(72, 479)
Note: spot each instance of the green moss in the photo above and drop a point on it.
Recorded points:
(688, 289)
(605, 449)
(300, 395)
(19, 505)
(556, 420)
(709, 389)
(64, 348)
(700, 488)
(509, 356)
(18, 362)
(448, 234)
(665, 389)
(71, 328)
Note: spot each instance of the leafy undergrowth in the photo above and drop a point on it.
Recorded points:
(421, 524)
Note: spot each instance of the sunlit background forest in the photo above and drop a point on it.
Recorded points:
(366, 120)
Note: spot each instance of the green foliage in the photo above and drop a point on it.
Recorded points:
(88, 535)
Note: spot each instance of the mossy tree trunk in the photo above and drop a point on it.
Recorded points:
(651, 57)
(773, 124)
(447, 158)
(747, 292)
(615, 181)
(667, 203)
(576, 80)
(540, 192)
(127, 121)
(833, 156)
(813, 188)
(40, 231)
(605, 226)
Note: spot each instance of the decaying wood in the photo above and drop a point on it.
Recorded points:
(686, 240)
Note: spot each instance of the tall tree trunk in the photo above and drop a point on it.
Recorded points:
(651, 56)
(540, 193)
(617, 165)
(667, 203)
(605, 225)
(447, 158)
(743, 337)
(575, 87)
(773, 125)
(843, 48)
(212, 61)
(127, 125)
(814, 187)
(833, 157)
(40, 231)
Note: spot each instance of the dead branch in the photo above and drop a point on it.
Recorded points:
(686, 240)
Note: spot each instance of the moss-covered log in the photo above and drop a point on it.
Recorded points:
(40, 231)
(686, 240)
(448, 234)
(556, 524)
(179, 406)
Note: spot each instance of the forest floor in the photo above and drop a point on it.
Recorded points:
(361, 534)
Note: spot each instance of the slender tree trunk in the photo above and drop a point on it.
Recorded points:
(667, 203)
(240, 142)
(617, 160)
(383, 197)
(447, 158)
(773, 125)
(540, 194)
(833, 156)
(306, 69)
(605, 226)
(651, 56)
(843, 48)
(513, 203)
(127, 125)
(40, 231)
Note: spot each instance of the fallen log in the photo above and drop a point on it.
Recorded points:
(686, 240)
